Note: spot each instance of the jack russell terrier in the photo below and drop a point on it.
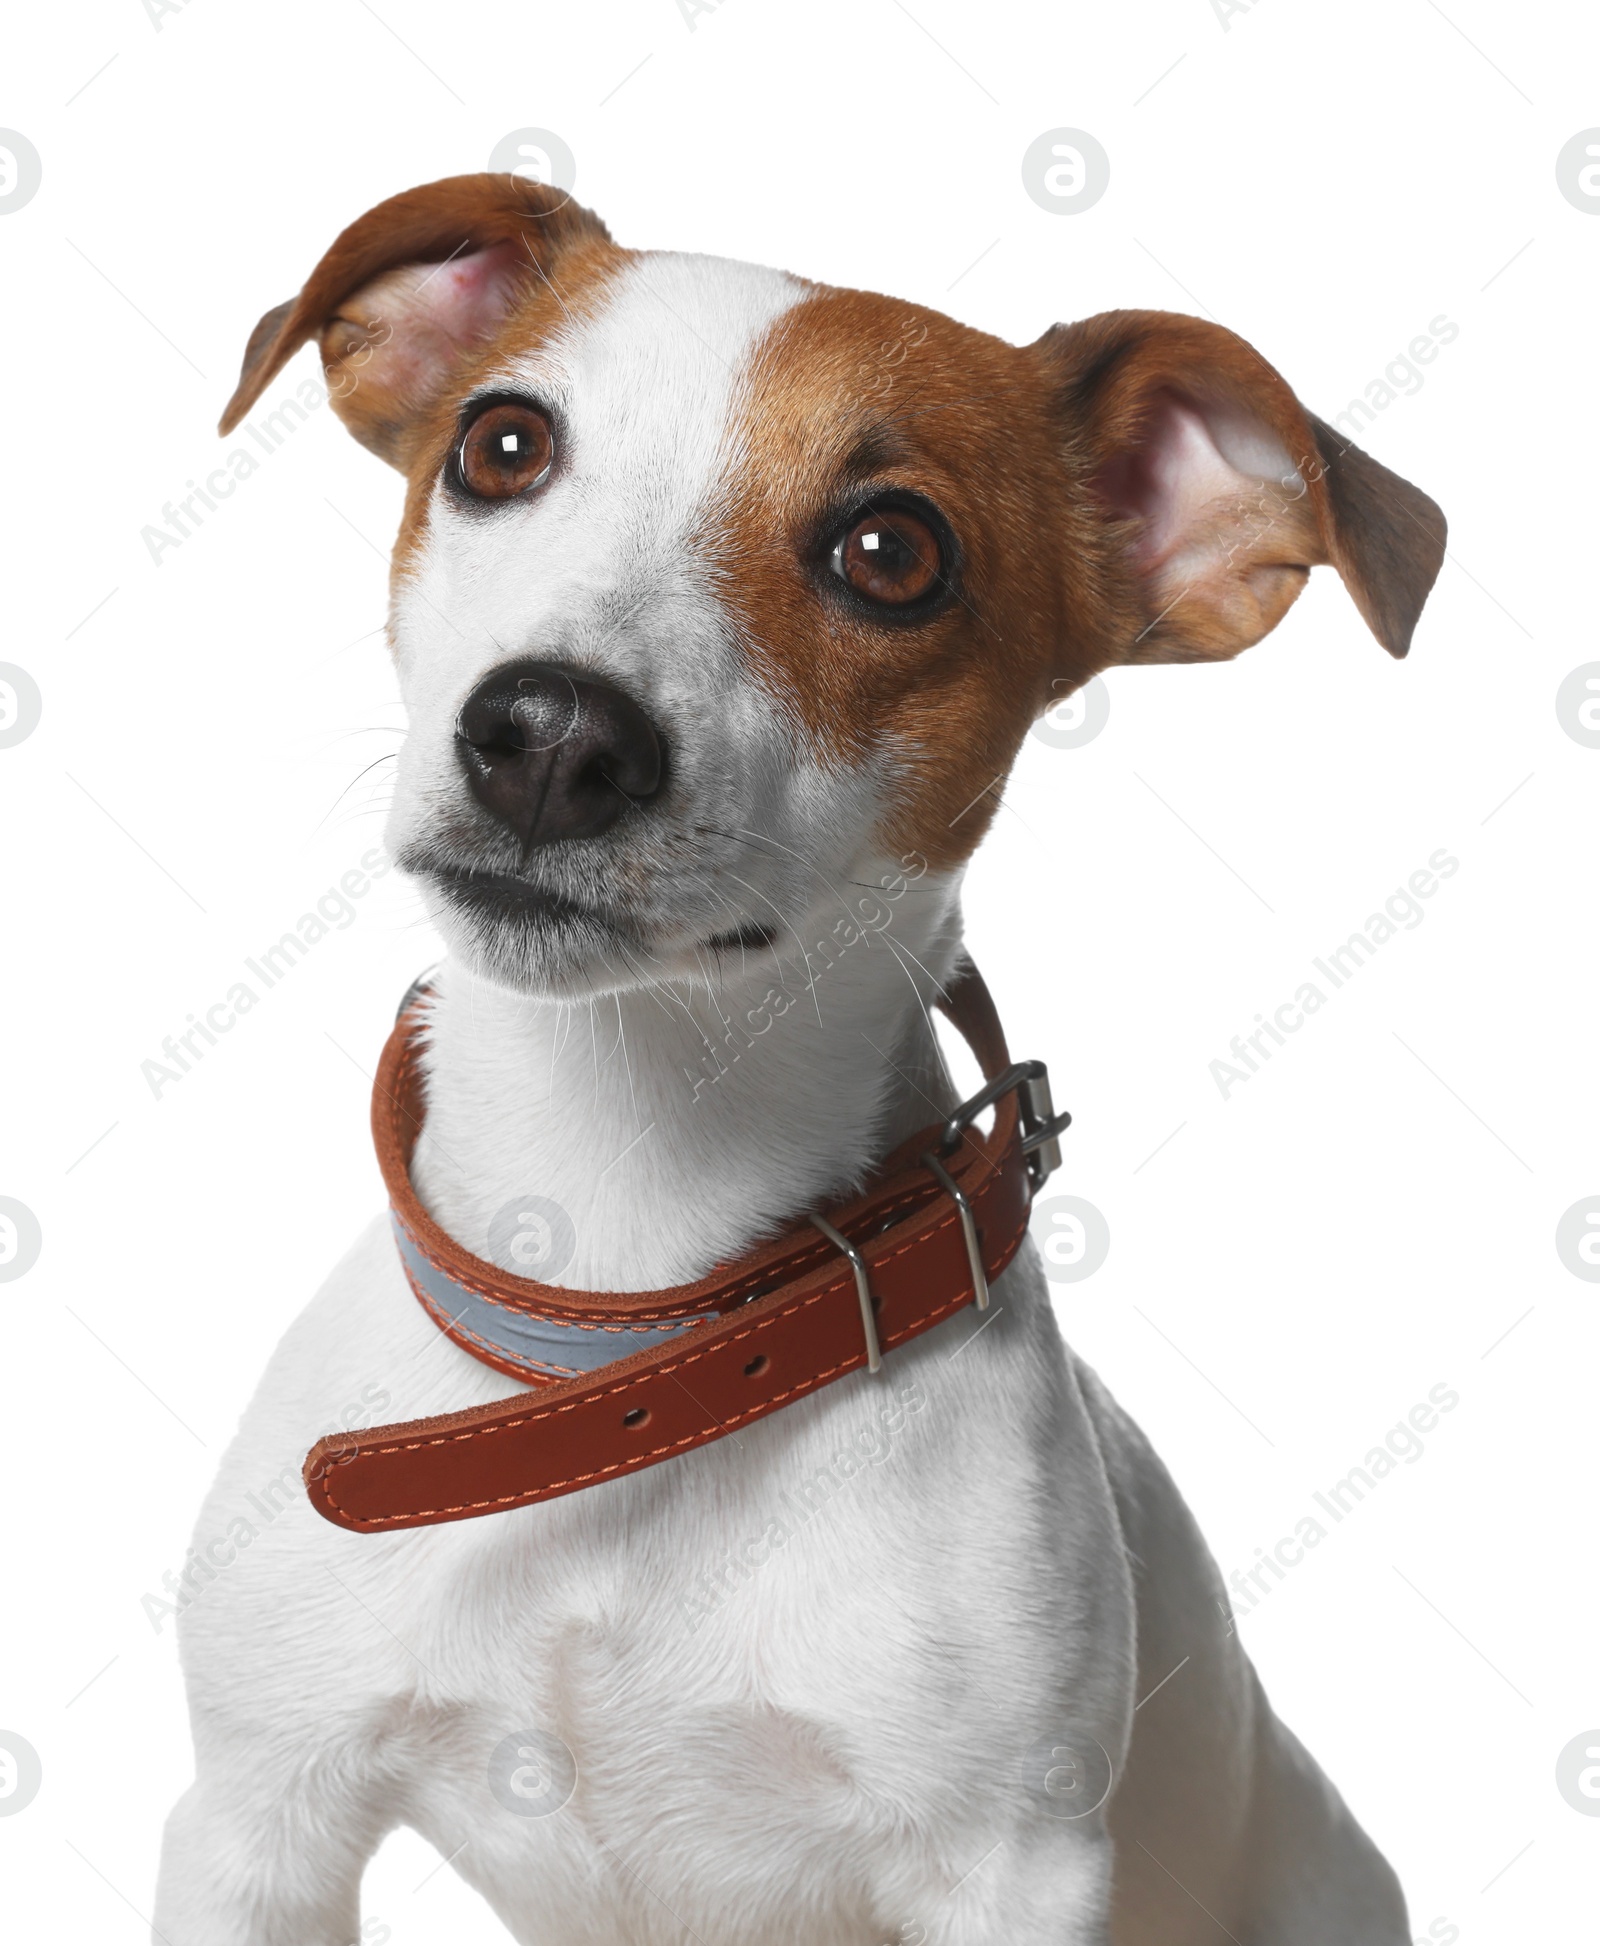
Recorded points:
(723, 1574)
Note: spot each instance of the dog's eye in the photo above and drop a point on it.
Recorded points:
(506, 450)
(890, 557)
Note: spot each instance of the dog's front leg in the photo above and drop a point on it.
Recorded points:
(258, 1853)
(1037, 1888)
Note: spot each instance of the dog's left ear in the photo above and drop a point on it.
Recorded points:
(1219, 492)
(409, 291)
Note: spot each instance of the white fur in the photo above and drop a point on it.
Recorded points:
(826, 1737)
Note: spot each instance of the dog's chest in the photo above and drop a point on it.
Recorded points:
(760, 1667)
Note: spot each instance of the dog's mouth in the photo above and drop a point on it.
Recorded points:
(743, 939)
(494, 898)
(503, 895)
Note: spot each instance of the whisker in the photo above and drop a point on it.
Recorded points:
(810, 865)
(389, 757)
(897, 947)
(810, 976)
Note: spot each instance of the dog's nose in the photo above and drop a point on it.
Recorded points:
(554, 754)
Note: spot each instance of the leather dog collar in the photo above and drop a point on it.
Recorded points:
(622, 1380)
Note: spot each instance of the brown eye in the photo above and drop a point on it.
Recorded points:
(891, 558)
(507, 449)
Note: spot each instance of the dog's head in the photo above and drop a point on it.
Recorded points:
(716, 586)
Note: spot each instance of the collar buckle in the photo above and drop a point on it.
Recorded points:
(1042, 1126)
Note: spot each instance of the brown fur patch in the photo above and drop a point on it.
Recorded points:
(850, 394)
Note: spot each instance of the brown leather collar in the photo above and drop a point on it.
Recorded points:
(791, 1316)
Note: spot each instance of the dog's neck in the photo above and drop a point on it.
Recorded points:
(633, 1114)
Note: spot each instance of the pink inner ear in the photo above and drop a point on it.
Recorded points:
(1188, 473)
(406, 331)
(466, 297)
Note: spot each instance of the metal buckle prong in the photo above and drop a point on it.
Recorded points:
(1041, 1144)
(969, 1225)
(858, 1263)
(1042, 1127)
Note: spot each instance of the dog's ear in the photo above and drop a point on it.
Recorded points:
(1218, 492)
(408, 291)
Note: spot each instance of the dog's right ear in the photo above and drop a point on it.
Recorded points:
(410, 290)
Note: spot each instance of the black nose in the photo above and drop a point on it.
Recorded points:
(554, 754)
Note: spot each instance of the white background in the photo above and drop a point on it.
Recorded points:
(1370, 1216)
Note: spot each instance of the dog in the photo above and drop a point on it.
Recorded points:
(721, 603)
